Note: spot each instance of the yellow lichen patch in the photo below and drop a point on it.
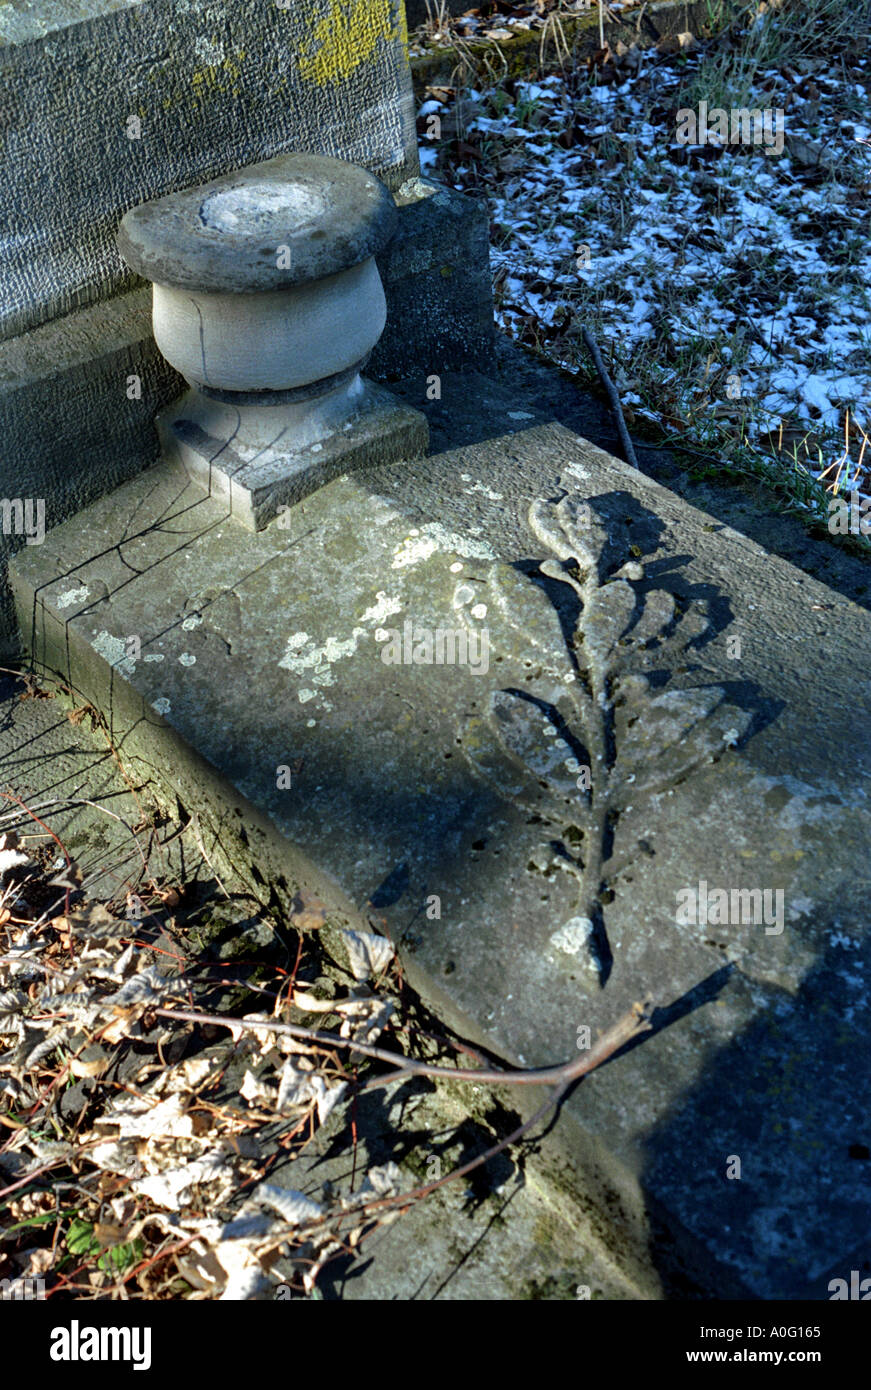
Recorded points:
(402, 27)
(347, 37)
(207, 81)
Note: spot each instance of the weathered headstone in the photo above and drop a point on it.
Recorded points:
(565, 765)
(565, 740)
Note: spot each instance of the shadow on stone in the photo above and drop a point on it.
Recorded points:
(760, 1149)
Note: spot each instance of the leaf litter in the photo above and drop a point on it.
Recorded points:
(111, 1147)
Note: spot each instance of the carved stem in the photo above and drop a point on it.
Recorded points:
(599, 746)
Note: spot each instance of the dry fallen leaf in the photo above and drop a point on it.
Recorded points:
(368, 954)
(308, 913)
(94, 1061)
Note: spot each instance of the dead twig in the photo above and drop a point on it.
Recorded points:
(614, 399)
(11, 796)
(630, 1026)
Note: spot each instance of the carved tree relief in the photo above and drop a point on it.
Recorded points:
(590, 730)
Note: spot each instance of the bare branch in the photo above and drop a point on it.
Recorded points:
(630, 1026)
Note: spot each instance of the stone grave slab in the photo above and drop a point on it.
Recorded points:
(286, 685)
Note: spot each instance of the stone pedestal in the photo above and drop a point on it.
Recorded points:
(267, 299)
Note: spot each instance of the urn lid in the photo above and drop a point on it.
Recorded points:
(289, 220)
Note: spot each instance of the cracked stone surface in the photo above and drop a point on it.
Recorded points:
(260, 459)
(438, 799)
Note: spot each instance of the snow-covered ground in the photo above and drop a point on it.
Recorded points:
(730, 287)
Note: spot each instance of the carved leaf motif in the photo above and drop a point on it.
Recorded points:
(547, 528)
(519, 619)
(643, 741)
(655, 616)
(666, 736)
(529, 734)
(692, 626)
(570, 531)
(483, 749)
(606, 618)
(521, 749)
